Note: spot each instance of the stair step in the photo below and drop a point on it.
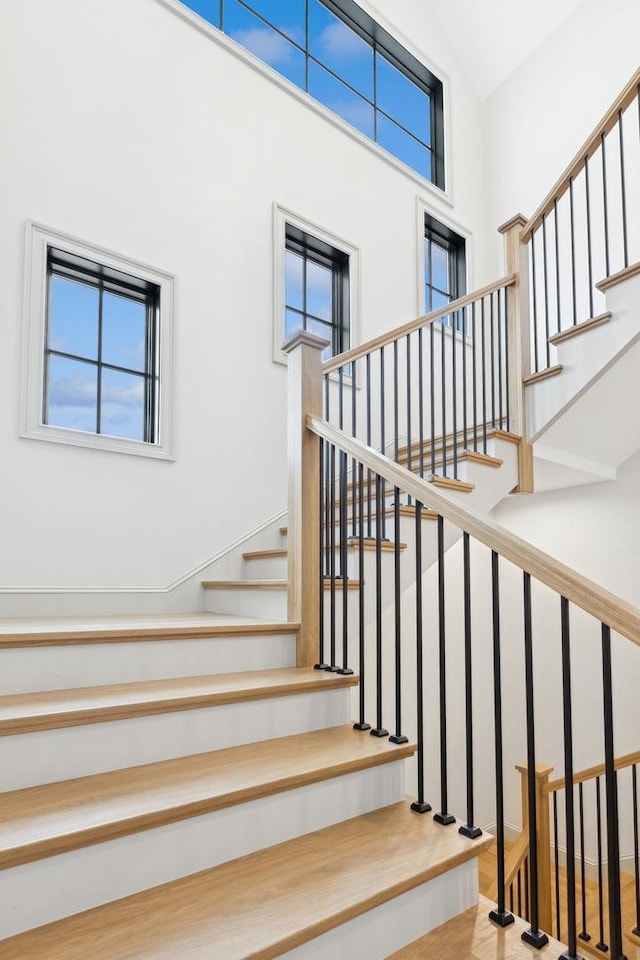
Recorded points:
(460, 439)
(405, 510)
(463, 456)
(26, 713)
(42, 821)
(67, 631)
(263, 904)
(471, 934)
(542, 375)
(264, 554)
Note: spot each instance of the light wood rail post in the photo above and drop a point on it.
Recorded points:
(304, 352)
(519, 354)
(543, 837)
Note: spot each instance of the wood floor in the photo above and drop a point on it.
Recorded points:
(487, 868)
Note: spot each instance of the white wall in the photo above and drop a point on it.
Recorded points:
(538, 118)
(129, 128)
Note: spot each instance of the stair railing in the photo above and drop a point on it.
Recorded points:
(582, 238)
(394, 700)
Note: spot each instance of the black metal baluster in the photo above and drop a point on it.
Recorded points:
(519, 890)
(443, 399)
(583, 935)
(556, 864)
(601, 945)
(527, 905)
(464, 377)
(534, 299)
(557, 248)
(605, 204)
(636, 857)
(321, 664)
(354, 531)
(500, 365)
(433, 398)
(474, 378)
(420, 805)
(382, 520)
(545, 280)
(361, 723)
(344, 669)
(409, 395)
(506, 353)
(484, 377)
(500, 915)
(420, 405)
(493, 362)
(468, 829)
(397, 737)
(454, 395)
(443, 817)
(379, 730)
(571, 953)
(611, 788)
(332, 559)
(511, 897)
(623, 193)
(589, 253)
(573, 255)
(369, 475)
(534, 936)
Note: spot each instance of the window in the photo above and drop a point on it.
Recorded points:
(444, 267)
(339, 55)
(101, 349)
(316, 290)
(98, 348)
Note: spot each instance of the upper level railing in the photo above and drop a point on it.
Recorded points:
(585, 231)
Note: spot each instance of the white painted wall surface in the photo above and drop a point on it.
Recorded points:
(127, 127)
(539, 116)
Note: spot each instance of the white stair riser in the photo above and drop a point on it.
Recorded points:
(266, 568)
(33, 669)
(248, 602)
(376, 934)
(42, 757)
(46, 890)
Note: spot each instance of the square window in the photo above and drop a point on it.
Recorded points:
(98, 348)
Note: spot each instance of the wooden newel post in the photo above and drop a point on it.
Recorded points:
(303, 451)
(519, 356)
(543, 835)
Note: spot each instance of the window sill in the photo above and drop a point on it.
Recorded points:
(78, 438)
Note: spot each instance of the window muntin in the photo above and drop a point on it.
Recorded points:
(101, 350)
(339, 55)
(444, 268)
(316, 290)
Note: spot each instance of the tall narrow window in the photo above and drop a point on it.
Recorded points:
(101, 350)
(339, 55)
(316, 290)
(444, 267)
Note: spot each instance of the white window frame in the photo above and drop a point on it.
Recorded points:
(281, 217)
(37, 242)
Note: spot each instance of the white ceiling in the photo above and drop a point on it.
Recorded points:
(493, 37)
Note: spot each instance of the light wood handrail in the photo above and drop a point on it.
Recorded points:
(592, 772)
(587, 150)
(356, 352)
(589, 596)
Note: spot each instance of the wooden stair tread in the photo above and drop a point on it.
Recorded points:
(631, 271)
(263, 904)
(21, 713)
(262, 584)
(22, 632)
(472, 456)
(459, 438)
(542, 375)
(264, 554)
(579, 328)
(41, 821)
(471, 935)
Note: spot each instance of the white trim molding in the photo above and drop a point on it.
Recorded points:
(281, 217)
(37, 241)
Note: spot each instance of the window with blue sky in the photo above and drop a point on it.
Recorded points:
(335, 52)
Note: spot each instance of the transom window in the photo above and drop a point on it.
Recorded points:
(343, 58)
(316, 290)
(101, 349)
(444, 268)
